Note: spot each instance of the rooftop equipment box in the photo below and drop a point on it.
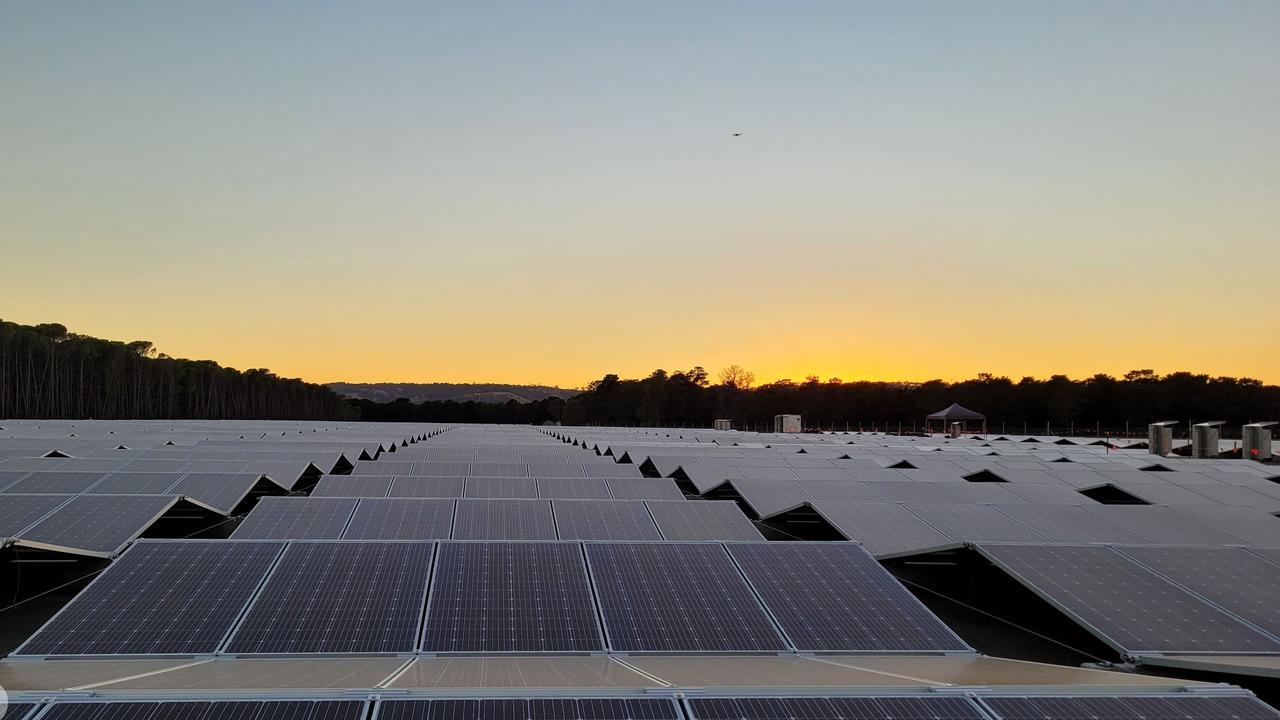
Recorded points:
(786, 423)
(724, 424)
(1257, 441)
(1204, 440)
(1160, 437)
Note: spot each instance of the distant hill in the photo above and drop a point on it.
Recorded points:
(460, 392)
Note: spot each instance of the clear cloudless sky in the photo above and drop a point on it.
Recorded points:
(549, 191)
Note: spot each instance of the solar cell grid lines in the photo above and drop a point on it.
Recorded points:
(359, 486)
(604, 520)
(601, 708)
(845, 708)
(573, 488)
(97, 524)
(16, 711)
(135, 483)
(19, 512)
(426, 487)
(1125, 604)
(205, 710)
(973, 523)
(642, 488)
(160, 597)
(665, 597)
(289, 518)
(56, 482)
(364, 597)
(1129, 708)
(1234, 579)
(220, 492)
(511, 597)
(401, 519)
(504, 520)
(835, 596)
(500, 487)
(706, 520)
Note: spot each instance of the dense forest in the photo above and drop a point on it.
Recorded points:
(48, 372)
(690, 399)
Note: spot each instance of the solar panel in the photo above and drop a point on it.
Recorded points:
(339, 598)
(1045, 494)
(1268, 553)
(1250, 524)
(664, 597)
(97, 524)
(1129, 708)
(401, 519)
(642, 488)
(159, 598)
(16, 711)
(205, 710)
(1162, 525)
(440, 469)
(504, 520)
(709, 477)
(426, 487)
(220, 492)
(611, 470)
(883, 528)
(844, 708)
(135, 483)
(972, 523)
(500, 487)
(772, 497)
(1069, 523)
(844, 491)
(573, 488)
(985, 493)
(358, 486)
(604, 520)
(708, 520)
(511, 597)
(286, 518)
(9, 477)
(911, 492)
(1125, 604)
(1231, 578)
(499, 469)
(533, 709)
(835, 596)
(384, 467)
(556, 469)
(19, 512)
(56, 483)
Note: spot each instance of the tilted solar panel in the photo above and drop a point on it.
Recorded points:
(339, 598)
(158, 598)
(974, 523)
(504, 520)
(602, 708)
(604, 520)
(56, 482)
(1231, 578)
(135, 483)
(1129, 708)
(883, 528)
(426, 487)
(19, 512)
(205, 710)
(17, 711)
(1125, 604)
(220, 492)
(662, 597)
(705, 520)
(1068, 524)
(97, 524)
(573, 488)
(401, 519)
(287, 518)
(835, 596)
(500, 487)
(511, 597)
(359, 486)
(830, 708)
(641, 488)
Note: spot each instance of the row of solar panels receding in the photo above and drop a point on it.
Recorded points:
(864, 707)
(442, 519)
(581, 488)
(220, 492)
(1157, 599)
(202, 597)
(497, 469)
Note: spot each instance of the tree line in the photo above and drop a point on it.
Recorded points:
(690, 398)
(48, 372)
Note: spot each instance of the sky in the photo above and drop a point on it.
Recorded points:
(547, 192)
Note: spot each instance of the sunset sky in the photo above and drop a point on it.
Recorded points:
(543, 192)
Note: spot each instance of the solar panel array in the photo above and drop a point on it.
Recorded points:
(204, 710)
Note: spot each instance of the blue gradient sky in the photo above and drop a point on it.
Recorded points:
(545, 192)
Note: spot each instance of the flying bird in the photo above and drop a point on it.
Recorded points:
(737, 134)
